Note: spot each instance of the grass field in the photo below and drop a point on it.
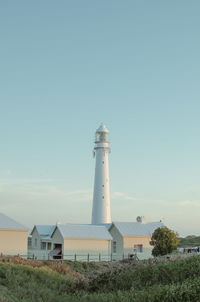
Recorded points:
(32, 281)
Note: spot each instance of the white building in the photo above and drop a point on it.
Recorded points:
(71, 242)
(13, 237)
(41, 242)
(101, 196)
(77, 241)
(131, 238)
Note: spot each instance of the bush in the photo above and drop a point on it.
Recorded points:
(177, 281)
(164, 241)
(36, 284)
(147, 275)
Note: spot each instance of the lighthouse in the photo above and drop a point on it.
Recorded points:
(101, 196)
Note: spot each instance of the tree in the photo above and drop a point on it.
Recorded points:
(164, 241)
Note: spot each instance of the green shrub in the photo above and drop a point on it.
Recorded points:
(147, 275)
(177, 281)
(36, 284)
(186, 291)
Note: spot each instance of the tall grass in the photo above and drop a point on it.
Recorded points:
(44, 282)
(142, 275)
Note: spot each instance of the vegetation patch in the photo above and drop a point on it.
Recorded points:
(33, 281)
(189, 241)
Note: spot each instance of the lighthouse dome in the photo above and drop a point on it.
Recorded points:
(102, 128)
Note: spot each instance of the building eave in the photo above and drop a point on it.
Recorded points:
(14, 230)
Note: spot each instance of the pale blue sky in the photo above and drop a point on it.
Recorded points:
(67, 66)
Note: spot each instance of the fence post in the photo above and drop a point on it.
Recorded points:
(99, 257)
(74, 257)
(88, 257)
(111, 257)
(123, 256)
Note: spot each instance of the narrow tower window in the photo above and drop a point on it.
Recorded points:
(114, 247)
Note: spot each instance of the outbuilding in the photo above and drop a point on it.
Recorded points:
(81, 242)
(13, 237)
(41, 242)
(132, 239)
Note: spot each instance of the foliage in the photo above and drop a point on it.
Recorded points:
(188, 290)
(88, 268)
(143, 275)
(164, 241)
(189, 241)
(60, 266)
(166, 281)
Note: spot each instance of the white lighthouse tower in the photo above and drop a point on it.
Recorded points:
(101, 197)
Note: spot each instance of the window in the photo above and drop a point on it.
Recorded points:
(49, 245)
(29, 242)
(114, 247)
(35, 242)
(43, 245)
(138, 248)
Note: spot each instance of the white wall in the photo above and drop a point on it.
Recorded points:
(57, 238)
(119, 243)
(35, 250)
(35, 237)
(101, 196)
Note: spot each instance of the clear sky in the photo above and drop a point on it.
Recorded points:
(67, 66)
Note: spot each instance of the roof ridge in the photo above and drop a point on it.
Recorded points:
(9, 223)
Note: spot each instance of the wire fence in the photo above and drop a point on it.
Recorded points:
(85, 257)
(103, 257)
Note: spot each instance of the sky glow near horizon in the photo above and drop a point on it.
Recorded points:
(66, 67)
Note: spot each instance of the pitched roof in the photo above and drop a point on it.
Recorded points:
(137, 228)
(88, 231)
(8, 223)
(107, 225)
(46, 238)
(44, 230)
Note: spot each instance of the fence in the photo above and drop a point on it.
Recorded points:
(97, 257)
(106, 258)
(86, 257)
